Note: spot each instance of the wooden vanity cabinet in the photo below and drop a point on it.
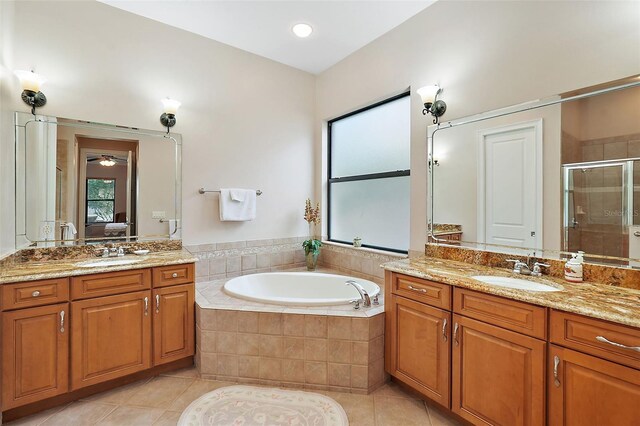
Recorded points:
(498, 375)
(421, 350)
(64, 335)
(584, 390)
(35, 354)
(173, 323)
(111, 337)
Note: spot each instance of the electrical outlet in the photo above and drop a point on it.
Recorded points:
(158, 215)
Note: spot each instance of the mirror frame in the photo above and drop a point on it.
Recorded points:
(432, 130)
(23, 119)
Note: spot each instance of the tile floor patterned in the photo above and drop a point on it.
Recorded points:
(160, 401)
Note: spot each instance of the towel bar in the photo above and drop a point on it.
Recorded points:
(203, 191)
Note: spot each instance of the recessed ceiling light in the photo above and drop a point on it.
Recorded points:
(302, 30)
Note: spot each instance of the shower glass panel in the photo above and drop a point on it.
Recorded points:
(598, 208)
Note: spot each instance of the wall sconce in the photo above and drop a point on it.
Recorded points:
(432, 104)
(31, 94)
(168, 117)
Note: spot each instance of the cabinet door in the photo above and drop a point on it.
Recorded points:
(173, 323)
(111, 337)
(420, 348)
(584, 390)
(498, 375)
(35, 351)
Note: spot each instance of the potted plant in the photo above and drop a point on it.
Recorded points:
(312, 245)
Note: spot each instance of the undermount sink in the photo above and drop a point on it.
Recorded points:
(107, 262)
(517, 283)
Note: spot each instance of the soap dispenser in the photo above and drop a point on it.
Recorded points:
(573, 268)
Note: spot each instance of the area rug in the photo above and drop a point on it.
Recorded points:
(252, 406)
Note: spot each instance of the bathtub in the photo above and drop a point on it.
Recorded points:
(298, 288)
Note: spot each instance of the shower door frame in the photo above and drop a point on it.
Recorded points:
(627, 191)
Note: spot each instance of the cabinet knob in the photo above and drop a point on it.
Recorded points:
(174, 275)
(35, 293)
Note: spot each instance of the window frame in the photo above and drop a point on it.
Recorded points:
(87, 199)
(369, 176)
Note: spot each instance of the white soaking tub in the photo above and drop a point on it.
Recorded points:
(298, 288)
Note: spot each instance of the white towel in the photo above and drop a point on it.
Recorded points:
(69, 233)
(175, 233)
(634, 245)
(237, 204)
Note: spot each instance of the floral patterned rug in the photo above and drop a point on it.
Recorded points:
(249, 406)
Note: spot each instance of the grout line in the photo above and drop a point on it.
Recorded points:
(62, 407)
(106, 415)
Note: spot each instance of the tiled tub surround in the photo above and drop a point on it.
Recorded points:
(325, 348)
(231, 259)
(601, 274)
(358, 262)
(615, 304)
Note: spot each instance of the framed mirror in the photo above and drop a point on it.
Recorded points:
(80, 183)
(543, 178)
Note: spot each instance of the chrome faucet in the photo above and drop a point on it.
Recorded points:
(520, 267)
(364, 296)
(537, 269)
(112, 252)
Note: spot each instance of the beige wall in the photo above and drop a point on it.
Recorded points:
(485, 55)
(246, 121)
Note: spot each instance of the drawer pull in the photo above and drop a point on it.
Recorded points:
(174, 275)
(455, 334)
(157, 303)
(421, 290)
(61, 321)
(556, 363)
(146, 306)
(617, 345)
(444, 330)
(35, 293)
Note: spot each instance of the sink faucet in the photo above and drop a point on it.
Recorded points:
(364, 296)
(520, 267)
(112, 252)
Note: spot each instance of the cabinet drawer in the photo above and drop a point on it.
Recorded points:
(35, 293)
(110, 283)
(429, 292)
(588, 334)
(517, 316)
(173, 274)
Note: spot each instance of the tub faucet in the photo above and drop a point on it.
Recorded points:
(364, 296)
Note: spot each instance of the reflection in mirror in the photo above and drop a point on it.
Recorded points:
(548, 177)
(87, 183)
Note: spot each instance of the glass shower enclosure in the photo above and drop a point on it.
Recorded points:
(601, 209)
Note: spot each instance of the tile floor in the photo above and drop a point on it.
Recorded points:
(160, 401)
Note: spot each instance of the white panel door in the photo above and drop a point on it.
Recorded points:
(510, 185)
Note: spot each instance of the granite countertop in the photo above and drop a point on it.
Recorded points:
(616, 304)
(30, 271)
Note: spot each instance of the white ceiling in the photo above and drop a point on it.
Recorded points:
(264, 27)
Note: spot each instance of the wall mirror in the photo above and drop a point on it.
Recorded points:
(547, 177)
(87, 183)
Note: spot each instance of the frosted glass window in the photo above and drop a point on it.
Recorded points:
(372, 141)
(369, 176)
(376, 210)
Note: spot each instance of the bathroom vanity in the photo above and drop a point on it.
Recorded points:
(83, 330)
(501, 356)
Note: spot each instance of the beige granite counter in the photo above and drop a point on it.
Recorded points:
(616, 304)
(29, 271)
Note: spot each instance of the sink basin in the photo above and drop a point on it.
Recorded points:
(516, 283)
(107, 262)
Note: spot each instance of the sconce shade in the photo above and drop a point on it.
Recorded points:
(170, 106)
(428, 94)
(29, 80)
